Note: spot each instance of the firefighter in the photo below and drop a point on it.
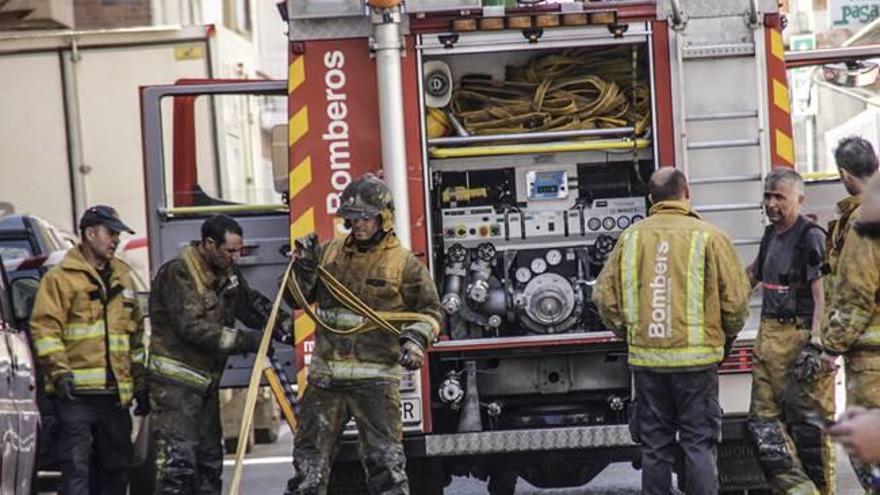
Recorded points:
(358, 375)
(792, 379)
(856, 163)
(694, 296)
(195, 301)
(853, 326)
(88, 336)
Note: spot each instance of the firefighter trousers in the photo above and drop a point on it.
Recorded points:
(794, 453)
(682, 403)
(95, 445)
(187, 440)
(863, 389)
(325, 411)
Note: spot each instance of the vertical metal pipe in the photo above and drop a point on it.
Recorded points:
(78, 167)
(387, 46)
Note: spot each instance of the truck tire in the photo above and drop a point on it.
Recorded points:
(502, 482)
(426, 476)
(266, 435)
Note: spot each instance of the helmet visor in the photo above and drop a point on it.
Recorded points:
(357, 212)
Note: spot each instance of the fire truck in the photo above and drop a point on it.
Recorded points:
(517, 141)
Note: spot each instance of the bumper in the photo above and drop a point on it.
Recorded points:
(610, 437)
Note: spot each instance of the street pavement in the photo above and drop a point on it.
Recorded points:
(267, 468)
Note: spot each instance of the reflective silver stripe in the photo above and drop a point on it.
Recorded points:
(349, 370)
(681, 357)
(119, 343)
(90, 377)
(48, 345)
(695, 287)
(870, 337)
(177, 371)
(630, 282)
(341, 318)
(138, 356)
(227, 338)
(82, 331)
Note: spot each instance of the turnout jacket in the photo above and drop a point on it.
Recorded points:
(192, 313)
(87, 329)
(385, 276)
(675, 289)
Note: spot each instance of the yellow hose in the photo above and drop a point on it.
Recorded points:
(555, 147)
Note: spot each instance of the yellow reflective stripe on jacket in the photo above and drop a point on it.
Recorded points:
(630, 281)
(46, 346)
(674, 357)
(354, 370)
(870, 337)
(695, 286)
(119, 343)
(176, 371)
(90, 377)
(82, 331)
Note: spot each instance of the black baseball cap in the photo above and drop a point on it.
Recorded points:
(103, 215)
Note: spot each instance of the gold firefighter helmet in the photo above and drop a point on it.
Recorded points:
(367, 197)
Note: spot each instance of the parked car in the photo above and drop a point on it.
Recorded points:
(19, 415)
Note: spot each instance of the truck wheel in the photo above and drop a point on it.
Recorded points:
(231, 444)
(426, 477)
(502, 483)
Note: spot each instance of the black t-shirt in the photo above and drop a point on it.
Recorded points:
(776, 271)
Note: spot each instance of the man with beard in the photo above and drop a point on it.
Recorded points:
(194, 303)
(792, 379)
(357, 373)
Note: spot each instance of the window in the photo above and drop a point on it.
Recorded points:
(11, 249)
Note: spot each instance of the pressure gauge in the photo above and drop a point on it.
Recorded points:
(554, 257)
(523, 275)
(539, 265)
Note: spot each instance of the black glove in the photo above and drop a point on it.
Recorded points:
(65, 389)
(307, 252)
(728, 347)
(142, 402)
(808, 364)
(283, 332)
(248, 340)
(411, 354)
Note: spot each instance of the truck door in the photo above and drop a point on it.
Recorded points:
(207, 150)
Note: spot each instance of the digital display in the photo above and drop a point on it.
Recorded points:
(547, 189)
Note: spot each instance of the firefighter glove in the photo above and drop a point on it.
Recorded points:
(728, 347)
(411, 354)
(65, 389)
(306, 253)
(142, 402)
(283, 332)
(248, 340)
(809, 363)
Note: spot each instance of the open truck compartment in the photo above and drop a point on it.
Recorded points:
(537, 152)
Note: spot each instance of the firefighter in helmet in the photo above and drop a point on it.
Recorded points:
(357, 375)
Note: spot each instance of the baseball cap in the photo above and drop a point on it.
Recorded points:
(103, 215)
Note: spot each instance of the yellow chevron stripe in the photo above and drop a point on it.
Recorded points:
(784, 146)
(776, 47)
(303, 328)
(298, 125)
(303, 225)
(300, 177)
(780, 96)
(301, 382)
(296, 74)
